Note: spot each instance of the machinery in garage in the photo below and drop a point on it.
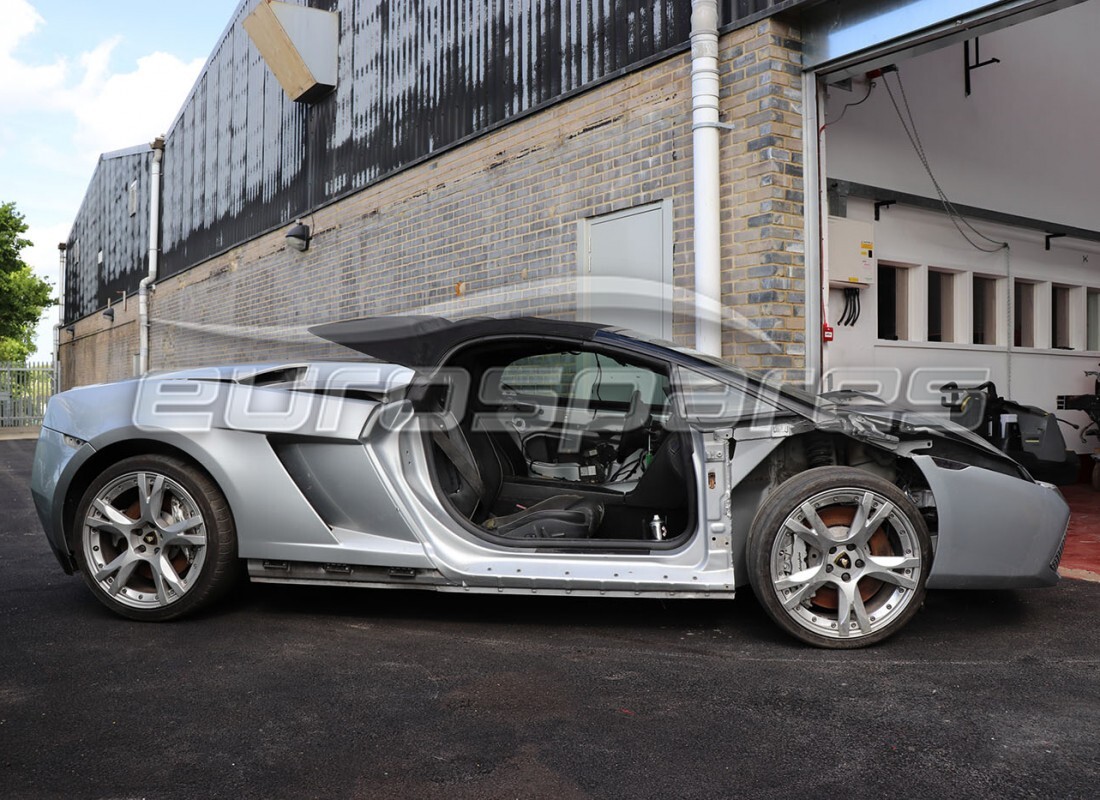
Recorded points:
(1090, 404)
(1028, 434)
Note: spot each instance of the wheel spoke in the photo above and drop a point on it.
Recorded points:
(113, 567)
(162, 592)
(864, 532)
(112, 518)
(850, 601)
(123, 576)
(817, 534)
(101, 524)
(150, 498)
(797, 578)
(165, 578)
(122, 567)
(797, 598)
(808, 581)
(895, 562)
(882, 568)
(182, 540)
(863, 511)
(176, 532)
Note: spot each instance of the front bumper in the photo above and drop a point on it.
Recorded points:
(995, 531)
(56, 460)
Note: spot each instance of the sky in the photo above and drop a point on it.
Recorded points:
(81, 79)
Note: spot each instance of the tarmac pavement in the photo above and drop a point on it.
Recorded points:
(304, 692)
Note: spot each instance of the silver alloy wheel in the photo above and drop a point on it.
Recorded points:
(846, 563)
(144, 539)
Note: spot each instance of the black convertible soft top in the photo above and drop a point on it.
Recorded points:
(423, 341)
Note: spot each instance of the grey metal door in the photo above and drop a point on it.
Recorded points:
(626, 269)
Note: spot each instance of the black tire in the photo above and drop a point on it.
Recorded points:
(1096, 476)
(158, 552)
(884, 565)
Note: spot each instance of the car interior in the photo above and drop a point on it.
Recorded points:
(558, 441)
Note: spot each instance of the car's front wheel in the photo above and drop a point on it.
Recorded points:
(155, 538)
(839, 557)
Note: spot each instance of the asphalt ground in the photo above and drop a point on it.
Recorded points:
(302, 692)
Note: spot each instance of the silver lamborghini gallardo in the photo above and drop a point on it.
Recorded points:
(530, 456)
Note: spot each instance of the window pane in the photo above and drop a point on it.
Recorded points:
(941, 306)
(985, 310)
(1023, 315)
(1059, 317)
(550, 375)
(704, 399)
(1093, 320)
(580, 377)
(893, 302)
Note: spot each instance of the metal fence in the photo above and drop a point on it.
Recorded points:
(24, 392)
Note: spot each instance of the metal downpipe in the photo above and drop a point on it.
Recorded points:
(705, 176)
(62, 257)
(815, 201)
(154, 253)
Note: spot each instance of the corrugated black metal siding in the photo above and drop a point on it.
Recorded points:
(415, 77)
(234, 159)
(105, 225)
(737, 12)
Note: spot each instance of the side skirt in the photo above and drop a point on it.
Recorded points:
(311, 574)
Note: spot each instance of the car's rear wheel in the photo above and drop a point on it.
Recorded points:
(838, 557)
(155, 538)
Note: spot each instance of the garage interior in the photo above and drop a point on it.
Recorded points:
(1005, 288)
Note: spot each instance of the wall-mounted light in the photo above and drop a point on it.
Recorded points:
(298, 236)
(109, 313)
(71, 330)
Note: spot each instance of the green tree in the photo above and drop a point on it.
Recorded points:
(23, 295)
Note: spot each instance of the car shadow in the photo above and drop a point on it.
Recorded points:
(411, 605)
(946, 619)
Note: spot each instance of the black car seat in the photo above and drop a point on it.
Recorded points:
(664, 484)
(472, 485)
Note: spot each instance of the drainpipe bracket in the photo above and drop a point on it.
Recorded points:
(725, 126)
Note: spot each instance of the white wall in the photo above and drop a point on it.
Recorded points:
(921, 239)
(1025, 141)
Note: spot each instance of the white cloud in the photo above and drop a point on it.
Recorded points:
(24, 85)
(60, 113)
(20, 19)
(111, 110)
(43, 255)
(116, 110)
